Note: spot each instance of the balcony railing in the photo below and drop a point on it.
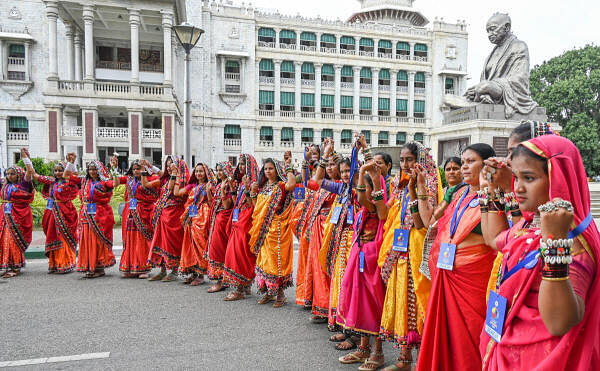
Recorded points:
(265, 143)
(17, 136)
(286, 143)
(287, 46)
(419, 59)
(420, 91)
(266, 80)
(266, 113)
(287, 114)
(72, 131)
(114, 133)
(404, 57)
(419, 120)
(328, 50)
(70, 85)
(363, 53)
(449, 91)
(307, 115)
(232, 142)
(151, 133)
(151, 89)
(347, 116)
(266, 44)
(288, 81)
(347, 51)
(366, 118)
(114, 65)
(328, 116)
(384, 88)
(15, 61)
(385, 118)
(366, 86)
(328, 84)
(308, 82)
(346, 145)
(306, 144)
(111, 87)
(308, 48)
(402, 120)
(402, 89)
(347, 85)
(384, 55)
(232, 76)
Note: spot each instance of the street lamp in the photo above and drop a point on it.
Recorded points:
(188, 36)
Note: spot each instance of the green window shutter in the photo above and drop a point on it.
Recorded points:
(266, 32)
(366, 42)
(308, 67)
(384, 74)
(327, 70)
(365, 72)
(233, 130)
(419, 137)
(401, 105)
(384, 104)
(449, 83)
(347, 40)
(287, 98)
(327, 100)
(346, 101)
(347, 135)
(307, 133)
(232, 64)
(308, 36)
(328, 38)
(287, 66)
(401, 45)
(266, 131)
(420, 47)
(384, 136)
(16, 49)
(18, 123)
(347, 71)
(367, 134)
(385, 44)
(266, 65)
(365, 103)
(419, 77)
(419, 106)
(400, 138)
(308, 100)
(402, 76)
(266, 97)
(327, 133)
(287, 134)
(287, 34)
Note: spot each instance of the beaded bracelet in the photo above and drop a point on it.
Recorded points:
(289, 169)
(377, 195)
(414, 210)
(557, 257)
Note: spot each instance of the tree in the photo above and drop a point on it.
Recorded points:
(568, 86)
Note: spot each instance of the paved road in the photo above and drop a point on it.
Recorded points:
(154, 325)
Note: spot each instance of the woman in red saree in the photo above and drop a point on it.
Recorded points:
(16, 220)
(456, 308)
(60, 219)
(195, 220)
(166, 243)
(96, 220)
(552, 320)
(136, 223)
(240, 262)
(219, 228)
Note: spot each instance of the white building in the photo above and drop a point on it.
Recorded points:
(99, 76)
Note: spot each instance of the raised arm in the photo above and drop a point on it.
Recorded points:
(30, 171)
(425, 200)
(71, 169)
(327, 153)
(378, 191)
(290, 184)
(226, 193)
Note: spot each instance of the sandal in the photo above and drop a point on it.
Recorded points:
(337, 338)
(216, 288)
(233, 296)
(369, 364)
(280, 302)
(143, 276)
(247, 291)
(10, 274)
(355, 357)
(189, 280)
(169, 277)
(89, 275)
(98, 274)
(157, 277)
(347, 344)
(406, 365)
(197, 281)
(266, 299)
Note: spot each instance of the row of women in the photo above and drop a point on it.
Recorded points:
(497, 271)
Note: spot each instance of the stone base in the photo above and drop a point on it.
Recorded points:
(491, 112)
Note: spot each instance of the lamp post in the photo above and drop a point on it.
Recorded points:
(188, 36)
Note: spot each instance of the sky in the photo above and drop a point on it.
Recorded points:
(549, 27)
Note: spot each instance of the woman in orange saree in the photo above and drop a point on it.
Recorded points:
(219, 228)
(460, 263)
(552, 321)
(271, 233)
(136, 223)
(16, 220)
(96, 220)
(240, 262)
(59, 220)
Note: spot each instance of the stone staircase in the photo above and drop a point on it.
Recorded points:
(595, 198)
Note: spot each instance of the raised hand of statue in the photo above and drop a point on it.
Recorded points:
(71, 157)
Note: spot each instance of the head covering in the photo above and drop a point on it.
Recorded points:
(61, 164)
(130, 170)
(210, 174)
(251, 167)
(226, 167)
(102, 172)
(19, 170)
(279, 168)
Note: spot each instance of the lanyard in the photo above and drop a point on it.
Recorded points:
(92, 189)
(241, 191)
(404, 206)
(53, 189)
(353, 167)
(306, 172)
(9, 191)
(134, 184)
(196, 192)
(581, 227)
(358, 227)
(454, 222)
(531, 256)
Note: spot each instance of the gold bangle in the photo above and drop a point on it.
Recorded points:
(422, 197)
(555, 278)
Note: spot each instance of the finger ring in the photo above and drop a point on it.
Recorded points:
(564, 204)
(489, 177)
(547, 207)
(492, 170)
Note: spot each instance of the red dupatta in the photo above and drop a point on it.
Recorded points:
(526, 343)
(20, 220)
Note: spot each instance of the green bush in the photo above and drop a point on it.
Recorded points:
(443, 177)
(41, 168)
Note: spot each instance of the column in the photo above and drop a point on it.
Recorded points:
(90, 125)
(88, 20)
(318, 47)
(52, 16)
(298, 40)
(298, 88)
(411, 94)
(168, 133)
(357, 45)
(394, 49)
(337, 138)
(356, 97)
(338, 87)
(277, 85)
(428, 96)
(70, 34)
(3, 149)
(222, 73)
(375, 85)
(318, 67)
(376, 47)
(3, 62)
(54, 116)
(77, 56)
(134, 24)
(393, 93)
(297, 137)
(167, 23)
(277, 30)
(412, 51)
(257, 82)
(338, 39)
(135, 134)
(28, 60)
(243, 75)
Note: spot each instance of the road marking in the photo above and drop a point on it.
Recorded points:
(39, 361)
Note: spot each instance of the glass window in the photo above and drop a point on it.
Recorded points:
(18, 124)
(346, 136)
(383, 138)
(400, 138)
(287, 134)
(326, 133)
(266, 133)
(233, 132)
(307, 135)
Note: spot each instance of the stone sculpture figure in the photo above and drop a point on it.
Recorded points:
(505, 76)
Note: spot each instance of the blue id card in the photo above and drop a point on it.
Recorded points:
(193, 210)
(446, 258)
(361, 261)
(401, 240)
(335, 215)
(299, 193)
(133, 204)
(91, 209)
(235, 215)
(50, 204)
(8, 208)
(350, 215)
(496, 312)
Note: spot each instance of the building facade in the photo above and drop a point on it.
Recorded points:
(97, 77)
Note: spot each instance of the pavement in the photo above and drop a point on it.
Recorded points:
(113, 323)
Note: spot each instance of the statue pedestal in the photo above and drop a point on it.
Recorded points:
(491, 112)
